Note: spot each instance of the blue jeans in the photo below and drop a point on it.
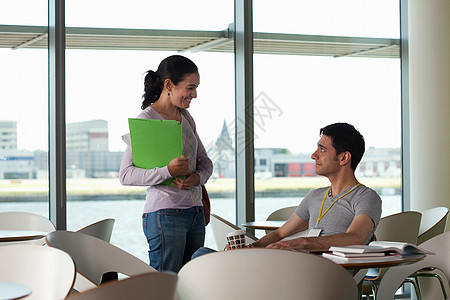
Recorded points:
(173, 235)
(202, 251)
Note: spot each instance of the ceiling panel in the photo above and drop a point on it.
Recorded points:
(35, 37)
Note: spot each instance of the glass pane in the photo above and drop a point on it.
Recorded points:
(295, 96)
(170, 14)
(327, 17)
(24, 116)
(104, 89)
(24, 12)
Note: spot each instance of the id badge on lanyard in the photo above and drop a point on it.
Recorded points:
(315, 231)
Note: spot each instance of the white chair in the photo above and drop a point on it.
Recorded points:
(432, 224)
(282, 214)
(221, 227)
(49, 272)
(399, 227)
(95, 257)
(101, 229)
(394, 277)
(264, 274)
(155, 285)
(25, 221)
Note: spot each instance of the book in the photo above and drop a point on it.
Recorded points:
(361, 259)
(154, 143)
(381, 247)
(369, 254)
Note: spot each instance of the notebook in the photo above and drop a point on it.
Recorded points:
(154, 143)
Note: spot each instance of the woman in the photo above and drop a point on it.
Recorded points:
(173, 219)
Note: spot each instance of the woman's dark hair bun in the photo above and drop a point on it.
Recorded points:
(152, 88)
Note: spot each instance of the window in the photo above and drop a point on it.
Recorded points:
(296, 95)
(104, 89)
(24, 115)
(296, 92)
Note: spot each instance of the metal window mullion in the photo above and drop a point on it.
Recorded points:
(243, 51)
(405, 118)
(56, 115)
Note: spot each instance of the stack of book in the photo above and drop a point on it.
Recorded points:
(375, 251)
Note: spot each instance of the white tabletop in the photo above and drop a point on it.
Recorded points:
(264, 225)
(20, 235)
(11, 290)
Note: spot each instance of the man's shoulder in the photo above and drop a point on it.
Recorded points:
(366, 196)
(365, 190)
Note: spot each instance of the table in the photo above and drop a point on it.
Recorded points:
(11, 290)
(21, 235)
(264, 225)
(378, 263)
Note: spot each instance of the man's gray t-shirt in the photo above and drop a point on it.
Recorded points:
(362, 200)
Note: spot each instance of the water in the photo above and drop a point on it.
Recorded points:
(128, 234)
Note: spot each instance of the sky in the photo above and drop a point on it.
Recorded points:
(294, 95)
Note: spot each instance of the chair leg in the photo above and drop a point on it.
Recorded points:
(374, 291)
(367, 293)
(439, 277)
(416, 280)
(416, 287)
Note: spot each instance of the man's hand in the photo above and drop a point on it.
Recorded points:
(227, 247)
(192, 180)
(299, 244)
(179, 166)
(356, 234)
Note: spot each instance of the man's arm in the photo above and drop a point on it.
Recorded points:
(356, 234)
(293, 225)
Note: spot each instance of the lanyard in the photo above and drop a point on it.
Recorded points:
(323, 201)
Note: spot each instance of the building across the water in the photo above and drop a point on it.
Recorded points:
(88, 156)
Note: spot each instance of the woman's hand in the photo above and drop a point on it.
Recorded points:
(179, 166)
(192, 180)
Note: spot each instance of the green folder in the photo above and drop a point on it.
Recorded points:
(154, 143)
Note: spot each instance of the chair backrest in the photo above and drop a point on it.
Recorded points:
(400, 227)
(95, 257)
(261, 274)
(394, 277)
(433, 223)
(220, 227)
(101, 229)
(281, 214)
(49, 272)
(155, 285)
(25, 221)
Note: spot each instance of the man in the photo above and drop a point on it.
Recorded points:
(345, 213)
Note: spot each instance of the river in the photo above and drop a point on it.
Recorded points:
(127, 233)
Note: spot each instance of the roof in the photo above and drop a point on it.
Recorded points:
(36, 37)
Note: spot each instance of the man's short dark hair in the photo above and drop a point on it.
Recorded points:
(345, 137)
